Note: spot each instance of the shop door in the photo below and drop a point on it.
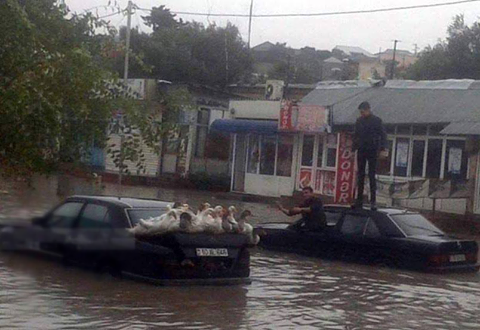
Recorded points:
(239, 162)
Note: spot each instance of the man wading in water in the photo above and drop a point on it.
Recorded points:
(369, 141)
(311, 209)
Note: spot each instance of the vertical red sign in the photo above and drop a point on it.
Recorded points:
(345, 180)
(285, 122)
(305, 177)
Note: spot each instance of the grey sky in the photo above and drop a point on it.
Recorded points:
(369, 31)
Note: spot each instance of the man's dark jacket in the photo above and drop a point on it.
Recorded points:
(369, 134)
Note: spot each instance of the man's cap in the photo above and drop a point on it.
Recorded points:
(364, 106)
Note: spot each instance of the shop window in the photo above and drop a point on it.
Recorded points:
(384, 164)
(173, 142)
(401, 157)
(404, 130)
(419, 130)
(307, 151)
(418, 157)
(331, 150)
(435, 129)
(390, 129)
(285, 154)
(320, 152)
(253, 154)
(456, 160)
(268, 146)
(434, 158)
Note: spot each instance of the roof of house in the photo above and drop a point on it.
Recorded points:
(397, 52)
(264, 46)
(349, 50)
(333, 60)
(402, 102)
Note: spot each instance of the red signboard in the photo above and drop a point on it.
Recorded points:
(286, 122)
(345, 180)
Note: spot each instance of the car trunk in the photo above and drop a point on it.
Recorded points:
(202, 255)
(452, 253)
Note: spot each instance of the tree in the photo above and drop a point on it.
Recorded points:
(456, 58)
(188, 51)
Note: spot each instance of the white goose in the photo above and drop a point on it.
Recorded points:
(247, 229)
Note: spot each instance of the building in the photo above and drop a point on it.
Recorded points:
(433, 137)
(403, 57)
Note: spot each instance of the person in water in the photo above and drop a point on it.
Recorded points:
(313, 216)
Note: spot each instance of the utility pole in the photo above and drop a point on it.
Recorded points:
(125, 83)
(250, 23)
(285, 88)
(392, 74)
(416, 49)
(226, 59)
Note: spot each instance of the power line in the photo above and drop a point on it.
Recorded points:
(110, 15)
(324, 14)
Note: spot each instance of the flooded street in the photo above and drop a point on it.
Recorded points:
(287, 291)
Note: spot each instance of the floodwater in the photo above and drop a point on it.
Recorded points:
(287, 291)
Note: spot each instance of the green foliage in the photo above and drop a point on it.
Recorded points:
(188, 51)
(456, 58)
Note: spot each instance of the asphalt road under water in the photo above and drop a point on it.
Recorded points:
(287, 291)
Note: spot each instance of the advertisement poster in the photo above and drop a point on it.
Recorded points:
(312, 118)
(305, 177)
(455, 160)
(402, 154)
(345, 177)
(318, 181)
(328, 183)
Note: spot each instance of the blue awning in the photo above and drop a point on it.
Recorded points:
(265, 127)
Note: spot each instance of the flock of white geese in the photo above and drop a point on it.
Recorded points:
(217, 220)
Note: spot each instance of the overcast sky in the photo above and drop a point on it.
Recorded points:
(369, 31)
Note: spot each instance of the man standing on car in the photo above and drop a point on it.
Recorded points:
(369, 141)
(311, 209)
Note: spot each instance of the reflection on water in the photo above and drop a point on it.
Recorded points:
(288, 291)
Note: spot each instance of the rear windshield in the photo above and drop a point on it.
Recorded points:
(137, 214)
(416, 225)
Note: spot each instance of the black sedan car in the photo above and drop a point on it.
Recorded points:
(389, 237)
(91, 231)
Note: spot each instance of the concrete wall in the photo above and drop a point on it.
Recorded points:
(210, 166)
(268, 185)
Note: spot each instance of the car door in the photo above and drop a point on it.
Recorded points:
(350, 244)
(52, 235)
(90, 240)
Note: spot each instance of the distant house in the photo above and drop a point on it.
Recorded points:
(332, 69)
(351, 51)
(368, 66)
(403, 57)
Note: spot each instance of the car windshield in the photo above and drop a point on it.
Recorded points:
(136, 214)
(416, 225)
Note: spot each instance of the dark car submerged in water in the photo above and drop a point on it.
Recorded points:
(93, 232)
(391, 237)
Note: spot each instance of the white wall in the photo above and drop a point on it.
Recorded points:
(152, 160)
(255, 109)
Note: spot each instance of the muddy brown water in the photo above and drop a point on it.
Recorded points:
(287, 291)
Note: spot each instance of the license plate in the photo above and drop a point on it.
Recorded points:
(203, 252)
(458, 258)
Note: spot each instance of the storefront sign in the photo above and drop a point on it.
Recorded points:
(345, 178)
(304, 118)
(328, 183)
(286, 119)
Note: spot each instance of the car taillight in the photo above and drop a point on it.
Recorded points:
(471, 257)
(438, 260)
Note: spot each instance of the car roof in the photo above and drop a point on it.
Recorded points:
(126, 202)
(388, 211)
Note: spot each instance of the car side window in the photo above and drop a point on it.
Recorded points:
(371, 229)
(353, 225)
(65, 215)
(94, 216)
(333, 217)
